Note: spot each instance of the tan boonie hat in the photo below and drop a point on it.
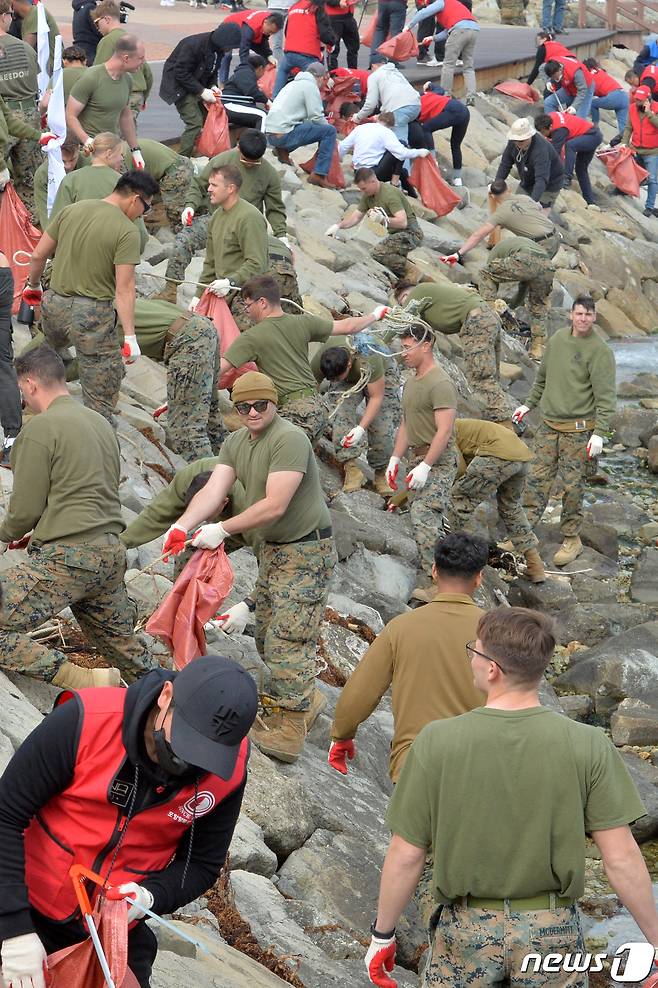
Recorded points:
(521, 129)
(252, 386)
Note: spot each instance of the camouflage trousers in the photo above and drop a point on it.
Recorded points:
(189, 241)
(487, 477)
(429, 504)
(377, 444)
(283, 273)
(311, 414)
(193, 114)
(194, 423)
(291, 595)
(173, 190)
(90, 325)
(88, 578)
(392, 251)
(25, 156)
(480, 338)
(482, 948)
(535, 274)
(136, 104)
(563, 453)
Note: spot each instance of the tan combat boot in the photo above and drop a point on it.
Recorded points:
(534, 567)
(280, 733)
(354, 478)
(72, 677)
(570, 549)
(537, 347)
(318, 703)
(169, 293)
(380, 484)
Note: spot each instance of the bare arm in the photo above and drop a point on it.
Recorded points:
(127, 126)
(279, 491)
(208, 502)
(402, 869)
(476, 237)
(444, 419)
(352, 220)
(398, 221)
(374, 404)
(628, 875)
(73, 126)
(401, 440)
(124, 296)
(43, 250)
(355, 324)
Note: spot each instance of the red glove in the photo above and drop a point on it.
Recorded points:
(339, 751)
(175, 540)
(426, 42)
(21, 543)
(32, 295)
(160, 411)
(47, 138)
(380, 959)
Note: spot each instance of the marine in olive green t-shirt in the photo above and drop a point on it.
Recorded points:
(18, 70)
(158, 158)
(142, 78)
(392, 201)
(523, 217)
(29, 25)
(103, 99)
(41, 188)
(374, 363)
(420, 399)
(515, 245)
(447, 305)
(280, 447)
(92, 237)
(93, 182)
(153, 317)
(70, 76)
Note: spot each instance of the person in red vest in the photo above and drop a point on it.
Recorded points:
(343, 24)
(641, 135)
(608, 95)
(571, 85)
(577, 140)
(307, 30)
(360, 77)
(459, 29)
(256, 27)
(547, 49)
(142, 785)
(649, 77)
(438, 112)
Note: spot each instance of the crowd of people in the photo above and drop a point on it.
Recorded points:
(376, 387)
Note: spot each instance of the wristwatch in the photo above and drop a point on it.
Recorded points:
(381, 936)
(251, 604)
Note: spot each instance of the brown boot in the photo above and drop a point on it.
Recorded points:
(169, 293)
(320, 180)
(380, 484)
(318, 703)
(534, 567)
(72, 677)
(570, 549)
(537, 347)
(280, 733)
(282, 156)
(354, 478)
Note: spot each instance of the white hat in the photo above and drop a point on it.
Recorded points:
(521, 129)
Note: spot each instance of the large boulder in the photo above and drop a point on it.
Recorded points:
(634, 723)
(644, 582)
(630, 424)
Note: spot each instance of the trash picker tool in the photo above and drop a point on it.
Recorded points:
(78, 876)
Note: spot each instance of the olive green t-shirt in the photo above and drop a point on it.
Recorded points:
(142, 78)
(41, 189)
(29, 25)
(505, 797)
(93, 182)
(523, 217)
(281, 447)
(515, 245)
(18, 69)
(374, 362)
(70, 76)
(448, 305)
(92, 237)
(420, 399)
(103, 99)
(157, 157)
(279, 346)
(391, 200)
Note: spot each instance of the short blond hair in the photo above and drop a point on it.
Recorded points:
(107, 8)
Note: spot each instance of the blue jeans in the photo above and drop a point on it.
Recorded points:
(553, 18)
(290, 60)
(225, 67)
(552, 102)
(309, 133)
(578, 154)
(651, 165)
(390, 21)
(617, 100)
(403, 117)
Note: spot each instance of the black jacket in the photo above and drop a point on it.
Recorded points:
(242, 87)
(43, 766)
(85, 32)
(194, 62)
(539, 168)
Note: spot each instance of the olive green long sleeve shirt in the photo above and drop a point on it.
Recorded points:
(11, 125)
(237, 245)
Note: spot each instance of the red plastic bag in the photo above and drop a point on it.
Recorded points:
(16, 233)
(335, 174)
(401, 47)
(218, 311)
(434, 192)
(194, 598)
(623, 170)
(519, 90)
(266, 81)
(214, 138)
(78, 967)
(367, 33)
(343, 91)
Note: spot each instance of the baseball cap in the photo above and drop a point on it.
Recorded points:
(376, 58)
(641, 93)
(215, 704)
(317, 69)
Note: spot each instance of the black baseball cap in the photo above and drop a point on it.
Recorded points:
(215, 704)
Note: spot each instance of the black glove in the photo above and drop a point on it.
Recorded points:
(616, 140)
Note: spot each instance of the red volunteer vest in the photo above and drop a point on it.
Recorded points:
(82, 826)
(644, 134)
(431, 104)
(253, 18)
(650, 73)
(302, 34)
(604, 83)
(453, 12)
(362, 75)
(554, 49)
(575, 125)
(571, 65)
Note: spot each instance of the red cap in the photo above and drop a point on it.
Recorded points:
(641, 93)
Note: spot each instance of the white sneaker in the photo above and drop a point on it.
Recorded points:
(433, 63)
(167, 3)
(457, 182)
(459, 62)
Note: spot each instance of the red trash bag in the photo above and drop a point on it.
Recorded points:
(266, 81)
(342, 92)
(16, 234)
(78, 966)
(623, 170)
(401, 47)
(519, 90)
(335, 174)
(195, 597)
(214, 138)
(367, 32)
(218, 311)
(434, 192)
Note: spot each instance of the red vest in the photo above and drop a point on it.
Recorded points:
(431, 104)
(553, 49)
(80, 825)
(339, 11)
(651, 72)
(453, 12)
(571, 64)
(362, 75)
(604, 83)
(575, 125)
(644, 134)
(253, 18)
(302, 34)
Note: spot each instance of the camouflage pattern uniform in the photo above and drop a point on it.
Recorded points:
(173, 188)
(471, 946)
(485, 477)
(189, 241)
(25, 155)
(310, 412)
(194, 423)
(535, 274)
(88, 578)
(90, 325)
(281, 268)
(480, 338)
(291, 595)
(392, 251)
(429, 504)
(136, 103)
(566, 453)
(377, 444)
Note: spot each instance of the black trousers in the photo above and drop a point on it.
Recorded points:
(346, 30)
(10, 399)
(426, 29)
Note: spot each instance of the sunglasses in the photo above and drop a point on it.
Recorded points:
(247, 305)
(470, 652)
(145, 204)
(244, 407)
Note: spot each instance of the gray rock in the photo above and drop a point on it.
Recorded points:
(380, 581)
(578, 706)
(342, 647)
(221, 966)
(634, 722)
(552, 595)
(37, 692)
(652, 457)
(19, 716)
(148, 590)
(6, 752)
(603, 538)
(350, 608)
(645, 777)
(248, 850)
(630, 424)
(621, 514)
(376, 529)
(592, 623)
(644, 582)
(644, 385)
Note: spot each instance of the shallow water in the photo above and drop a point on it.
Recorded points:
(635, 355)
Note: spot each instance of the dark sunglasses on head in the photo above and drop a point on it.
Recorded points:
(244, 407)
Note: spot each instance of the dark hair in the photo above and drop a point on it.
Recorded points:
(416, 331)
(70, 143)
(498, 186)
(277, 18)
(591, 63)
(546, 35)
(460, 555)
(363, 174)
(403, 286)
(522, 640)
(262, 286)
(137, 182)
(334, 362)
(127, 44)
(74, 53)
(387, 119)
(257, 61)
(586, 301)
(196, 484)
(41, 362)
(252, 143)
(631, 74)
(551, 67)
(543, 122)
(230, 174)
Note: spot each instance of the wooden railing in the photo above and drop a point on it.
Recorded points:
(642, 14)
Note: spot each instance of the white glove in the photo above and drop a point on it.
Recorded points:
(234, 621)
(353, 437)
(142, 896)
(194, 301)
(378, 215)
(23, 960)
(569, 109)
(4, 178)
(209, 536)
(88, 146)
(208, 96)
(138, 160)
(392, 472)
(594, 446)
(519, 413)
(380, 312)
(220, 287)
(3, 547)
(417, 478)
(130, 350)
(187, 216)
(423, 153)
(332, 230)
(288, 242)
(272, 60)
(380, 960)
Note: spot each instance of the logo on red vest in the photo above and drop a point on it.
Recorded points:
(199, 806)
